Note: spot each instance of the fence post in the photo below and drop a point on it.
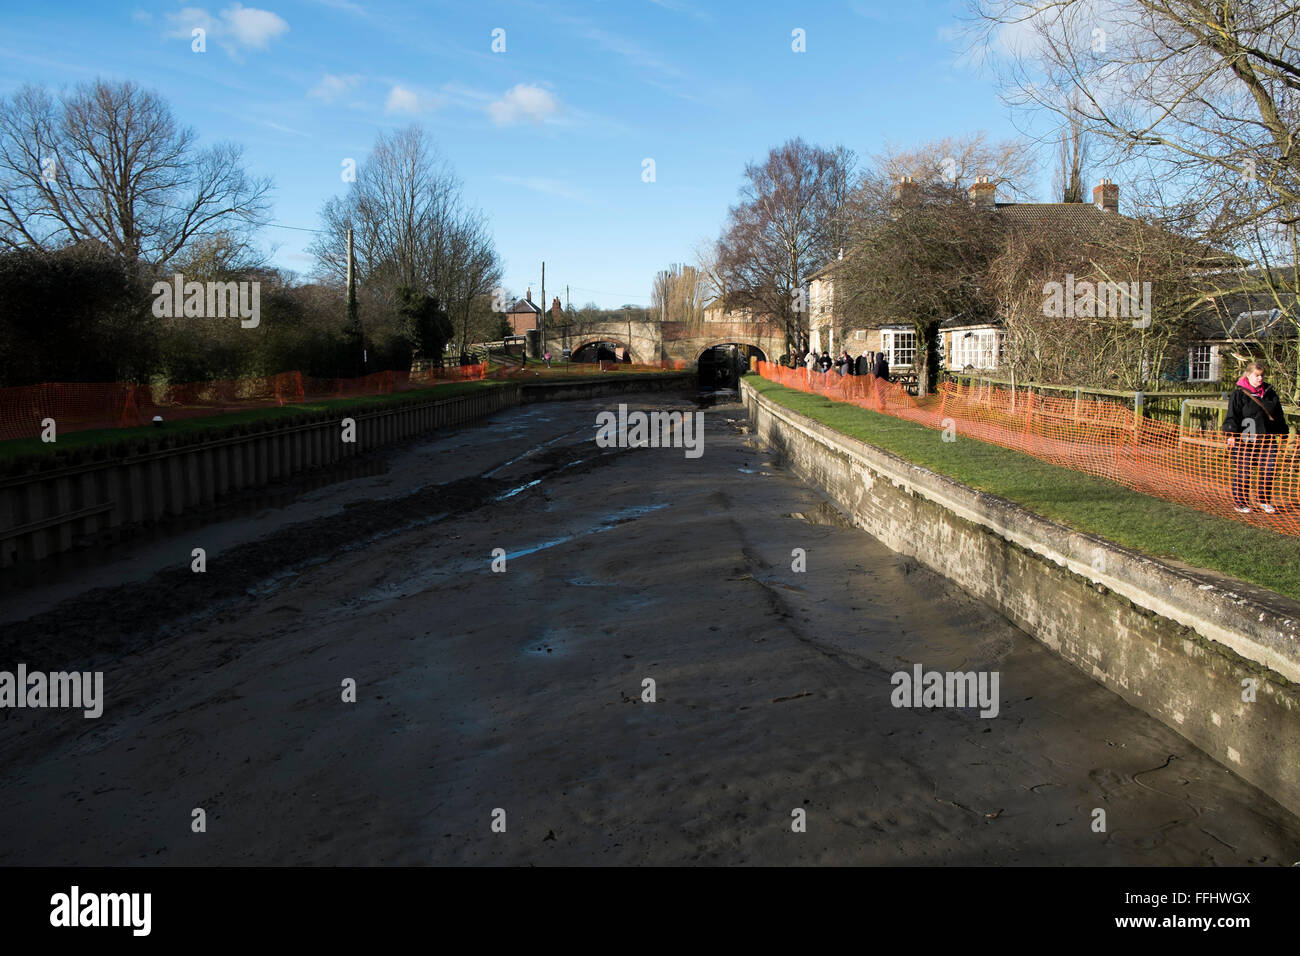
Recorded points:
(1076, 406)
(1182, 415)
(1138, 399)
(1223, 412)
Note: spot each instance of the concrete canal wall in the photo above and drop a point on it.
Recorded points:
(1175, 642)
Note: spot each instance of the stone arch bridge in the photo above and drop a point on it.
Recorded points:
(648, 341)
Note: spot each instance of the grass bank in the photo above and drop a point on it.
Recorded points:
(1153, 526)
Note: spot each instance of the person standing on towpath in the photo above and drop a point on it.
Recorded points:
(1254, 421)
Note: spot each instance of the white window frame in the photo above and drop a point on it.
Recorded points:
(1210, 363)
(977, 349)
(891, 347)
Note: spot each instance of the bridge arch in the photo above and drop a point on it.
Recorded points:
(602, 348)
(747, 348)
(722, 363)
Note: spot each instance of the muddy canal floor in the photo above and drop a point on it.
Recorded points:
(480, 691)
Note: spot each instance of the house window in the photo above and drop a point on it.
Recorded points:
(1199, 360)
(979, 348)
(899, 347)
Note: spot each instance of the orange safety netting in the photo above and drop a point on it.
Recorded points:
(1191, 466)
(78, 406)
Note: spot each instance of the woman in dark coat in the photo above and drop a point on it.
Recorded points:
(1255, 417)
(882, 366)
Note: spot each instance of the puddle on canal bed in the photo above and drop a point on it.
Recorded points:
(611, 520)
(426, 578)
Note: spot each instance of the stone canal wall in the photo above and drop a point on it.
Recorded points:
(1175, 642)
(50, 511)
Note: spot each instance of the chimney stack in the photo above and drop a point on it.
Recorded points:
(983, 192)
(529, 294)
(906, 189)
(1106, 196)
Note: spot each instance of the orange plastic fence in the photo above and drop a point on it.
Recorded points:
(1191, 466)
(78, 406)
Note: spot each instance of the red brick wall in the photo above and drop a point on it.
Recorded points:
(521, 322)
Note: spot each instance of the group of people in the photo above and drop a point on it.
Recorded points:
(1254, 423)
(868, 363)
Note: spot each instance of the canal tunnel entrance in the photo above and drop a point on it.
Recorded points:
(606, 350)
(720, 366)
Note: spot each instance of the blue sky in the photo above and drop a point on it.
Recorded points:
(548, 136)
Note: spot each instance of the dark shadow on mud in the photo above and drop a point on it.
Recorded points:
(125, 618)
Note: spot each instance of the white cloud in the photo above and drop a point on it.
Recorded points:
(331, 86)
(236, 29)
(402, 99)
(524, 101)
(252, 27)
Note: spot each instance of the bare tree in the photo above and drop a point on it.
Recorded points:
(1201, 100)
(788, 222)
(921, 256)
(472, 271)
(958, 161)
(108, 163)
(1071, 158)
(402, 209)
(1108, 340)
(679, 293)
(412, 230)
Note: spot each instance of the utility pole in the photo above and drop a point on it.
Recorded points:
(542, 322)
(352, 323)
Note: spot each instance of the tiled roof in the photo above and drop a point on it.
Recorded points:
(1088, 222)
(965, 321)
(523, 305)
(1253, 314)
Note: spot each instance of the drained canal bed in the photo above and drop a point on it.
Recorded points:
(640, 657)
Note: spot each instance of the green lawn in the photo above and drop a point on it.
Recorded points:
(1095, 505)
